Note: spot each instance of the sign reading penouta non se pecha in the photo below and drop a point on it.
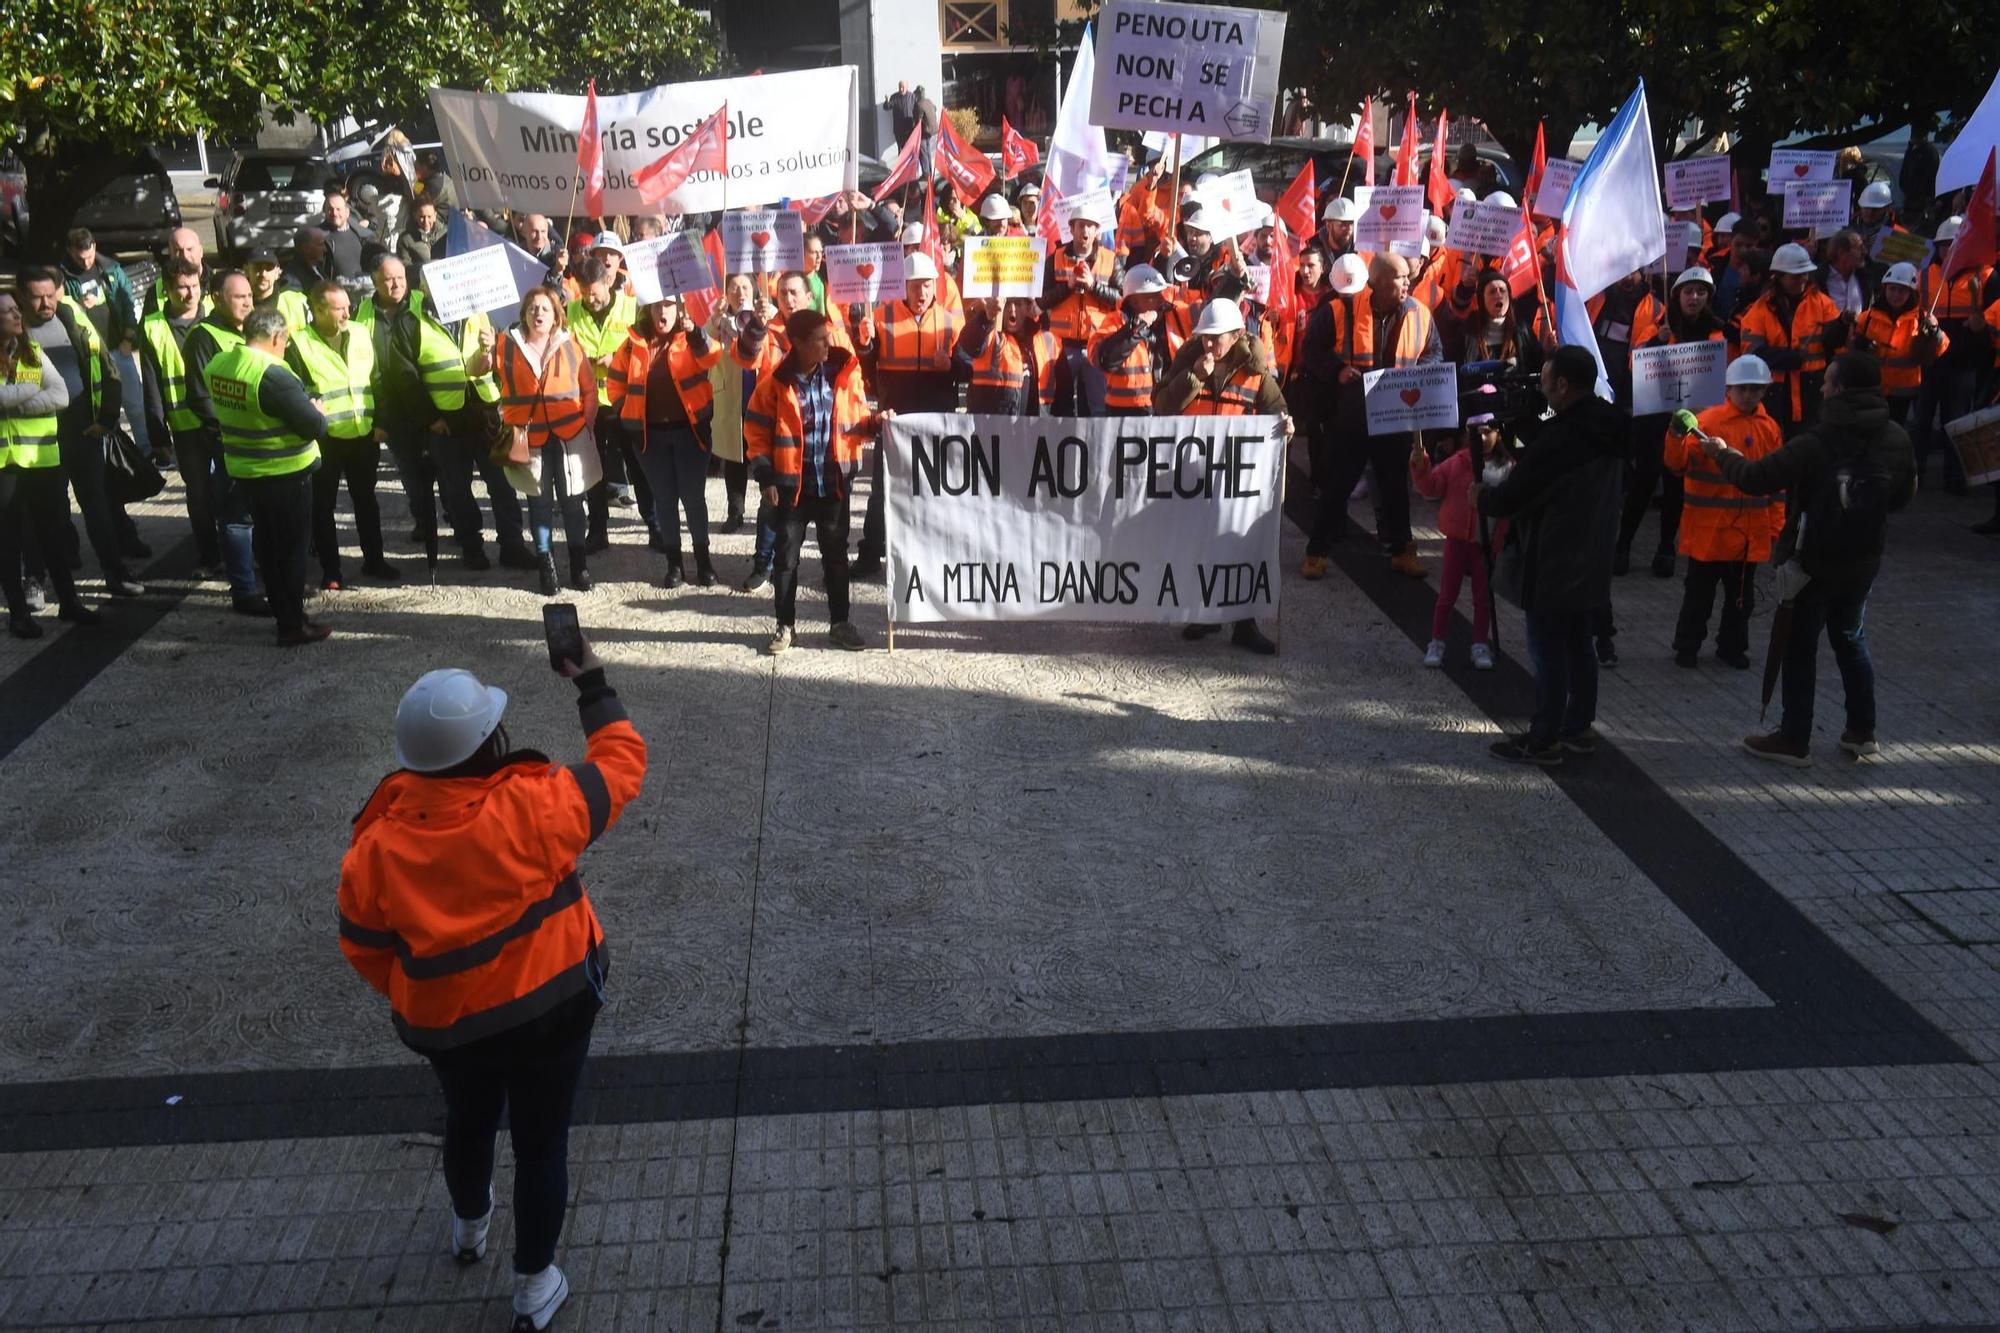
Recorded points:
(1191, 69)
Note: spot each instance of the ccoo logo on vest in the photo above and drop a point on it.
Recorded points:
(227, 391)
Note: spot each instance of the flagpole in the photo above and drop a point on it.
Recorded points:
(1174, 203)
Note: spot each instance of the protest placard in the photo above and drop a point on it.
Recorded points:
(1230, 203)
(1817, 204)
(763, 240)
(1482, 229)
(1678, 375)
(1192, 69)
(1393, 213)
(791, 136)
(1411, 398)
(667, 266)
(1558, 175)
(1159, 519)
(1258, 276)
(471, 284)
(870, 273)
(1003, 266)
(1098, 205)
(1800, 164)
(1901, 247)
(1694, 181)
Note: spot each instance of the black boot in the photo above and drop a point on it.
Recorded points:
(1621, 560)
(579, 572)
(676, 576)
(548, 568)
(704, 572)
(1247, 636)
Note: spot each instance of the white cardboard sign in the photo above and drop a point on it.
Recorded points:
(763, 240)
(870, 273)
(1483, 229)
(1393, 213)
(1161, 519)
(1187, 69)
(471, 284)
(1230, 202)
(667, 266)
(1694, 181)
(1800, 164)
(1558, 174)
(1817, 204)
(1679, 375)
(1411, 398)
(1098, 204)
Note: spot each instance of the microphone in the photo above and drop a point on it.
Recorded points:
(1685, 423)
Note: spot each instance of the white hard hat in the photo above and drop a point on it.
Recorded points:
(608, 240)
(1435, 229)
(1350, 274)
(1695, 274)
(918, 267)
(1948, 229)
(1259, 217)
(444, 718)
(1143, 280)
(1791, 258)
(995, 208)
(1728, 221)
(913, 234)
(1221, 315)
(1902, 275)
(1747, 370)
(1693, 234)
(1195, 221)
(1876, 195)
(1501, 199)
(1206, 179)
(1341, 209)
(1031, 188)
(1466, 195)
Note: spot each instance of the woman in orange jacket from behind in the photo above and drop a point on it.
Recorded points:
(661, 391)
(459, 900)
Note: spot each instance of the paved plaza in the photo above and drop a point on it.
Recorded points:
(1032, 977)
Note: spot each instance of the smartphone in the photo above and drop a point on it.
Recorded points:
(564, 634)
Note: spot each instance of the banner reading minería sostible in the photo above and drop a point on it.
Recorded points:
(791, 136)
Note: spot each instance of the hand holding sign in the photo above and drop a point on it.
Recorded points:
(1411, 398)
(763, 240)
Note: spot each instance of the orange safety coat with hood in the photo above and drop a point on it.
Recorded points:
(1719, 522)
(459, 897)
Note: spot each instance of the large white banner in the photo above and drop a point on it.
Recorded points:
(791, 136)
(1191, 69)
(1159, 519)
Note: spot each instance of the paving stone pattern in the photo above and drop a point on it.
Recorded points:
(1042, 832)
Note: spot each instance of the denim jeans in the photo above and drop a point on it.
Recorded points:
(216, 511)
(1565, 663)
(132, 393)
(676, 469)
(536, 1086)
(1842, 612)
(555, 494)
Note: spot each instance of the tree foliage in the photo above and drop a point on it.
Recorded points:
(85, 83)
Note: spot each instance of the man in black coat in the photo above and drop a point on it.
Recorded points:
(1563, 499)
(1843, 477)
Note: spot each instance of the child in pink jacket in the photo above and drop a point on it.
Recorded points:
(1448, 482)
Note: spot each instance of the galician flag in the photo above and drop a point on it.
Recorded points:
(1079, 159)
(1611, 224)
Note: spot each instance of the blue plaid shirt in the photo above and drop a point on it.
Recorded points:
(816, 413)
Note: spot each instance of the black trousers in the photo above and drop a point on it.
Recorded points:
(106, 524)
(354, 462)
(618, 454)
(33, 498)
(1738, 582)
(1647, 470)
(829, 519)
(1348, 454)
(281, 518)
(535, 1084)
(735, 481)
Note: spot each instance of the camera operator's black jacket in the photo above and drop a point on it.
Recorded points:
(1564, 497)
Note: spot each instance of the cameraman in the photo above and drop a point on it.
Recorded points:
(1563, 499)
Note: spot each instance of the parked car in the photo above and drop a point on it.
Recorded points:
(132, 213)
(265, 195)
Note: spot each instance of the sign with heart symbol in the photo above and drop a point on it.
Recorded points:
(1411, 398)
(1394, 214)
(870, 274)
(763, 240)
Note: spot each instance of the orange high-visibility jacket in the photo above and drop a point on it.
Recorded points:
(633, 362)
(1718, 521)
(550, 403)
(459, 897)
(1892, 339)
(1354, 334)
(1762, 328)
(774, 432)
(1957, 302)
(1000, 372)
(1143, 214)
(1077, 313)
(907, 344)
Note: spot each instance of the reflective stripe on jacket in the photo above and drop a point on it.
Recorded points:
(1719, 522)
(29, 441)
(549, 402)
(631, 365)
(254, 443)
(1354, 334)
(1763, 328)
(1004, 381)
(342, 378)
(159, 336)
(774, 427)
(459, 897)
(1892, 339)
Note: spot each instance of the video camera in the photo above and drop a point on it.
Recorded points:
(1514, 397)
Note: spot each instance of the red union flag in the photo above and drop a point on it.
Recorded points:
(1539, 166)
(968, 169)
(1973, 248)
(814, 210)
(1017, 153)
(1406, 152)
(590, 156)
(1046, 225)
(1295, 206)
(1438, 190)
(905, 169)
(707, 149)
(1364, 143)
(700, 305)
(1522, 265)
(1284, 293)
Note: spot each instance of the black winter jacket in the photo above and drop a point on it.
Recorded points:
(1564, 498)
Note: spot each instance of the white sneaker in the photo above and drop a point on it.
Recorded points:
(468, 1235)
(780, 642)
(1434, 655)
(537, 1297)
(1482, 657)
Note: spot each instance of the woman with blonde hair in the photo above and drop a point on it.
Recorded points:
(548, 398)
